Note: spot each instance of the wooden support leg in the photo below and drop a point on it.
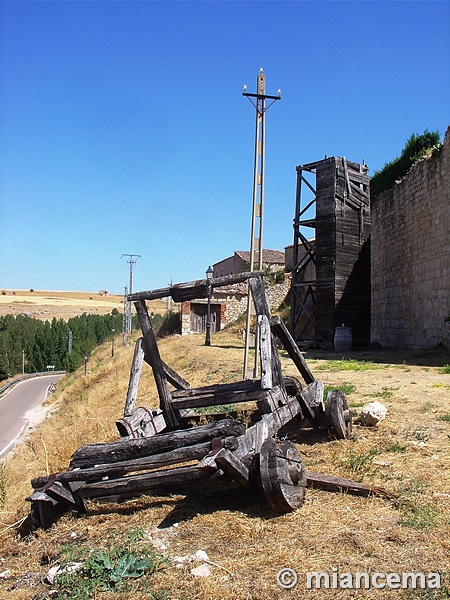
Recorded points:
(135, 376)
(280, 330)
(153, 358)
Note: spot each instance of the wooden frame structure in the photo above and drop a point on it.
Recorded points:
(331, 274)
(221, 455)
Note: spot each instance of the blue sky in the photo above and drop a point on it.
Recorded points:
(123, 128)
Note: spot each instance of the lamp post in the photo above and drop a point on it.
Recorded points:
(209, 275)
(113, 331)
(86, 356)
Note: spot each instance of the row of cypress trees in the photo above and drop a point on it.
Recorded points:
(35, 344)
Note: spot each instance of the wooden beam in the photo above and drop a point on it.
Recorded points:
(154, 359)
(168, 480)
(176, 380)
(251, 440)
(282, 333)
(306, 396)
(241, 391)
(130, 449)
(338, 484)
(177, 456)
(190, 289)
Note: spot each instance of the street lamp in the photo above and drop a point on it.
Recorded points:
(112, 347)
(209, 275)
(86, 356)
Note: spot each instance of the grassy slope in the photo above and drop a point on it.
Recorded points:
(407, 454)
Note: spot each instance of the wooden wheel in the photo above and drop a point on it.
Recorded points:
(283, 475)
(338, 413)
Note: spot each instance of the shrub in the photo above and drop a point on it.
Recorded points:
(415, 148)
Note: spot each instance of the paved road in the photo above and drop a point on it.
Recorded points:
(17, 406)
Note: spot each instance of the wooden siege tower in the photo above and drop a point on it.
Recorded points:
(331, 266)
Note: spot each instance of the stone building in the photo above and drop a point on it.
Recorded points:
(240, 262)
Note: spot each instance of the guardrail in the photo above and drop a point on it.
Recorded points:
(29, 376)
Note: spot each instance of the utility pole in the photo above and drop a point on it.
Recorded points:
(256, 240)
(132, 259)
(126, 314)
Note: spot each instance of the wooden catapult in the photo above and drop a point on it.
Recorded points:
(165, 451)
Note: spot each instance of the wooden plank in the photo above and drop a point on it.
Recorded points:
(265, 352)
(189, 289)
(130, 449)
(281, 331)
(262, 432)
(153, 358)
(242, 391)
(135, 375)
(246, 385)
(217, 399)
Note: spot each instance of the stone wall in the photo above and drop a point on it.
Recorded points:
(276, 294)
(410, 247)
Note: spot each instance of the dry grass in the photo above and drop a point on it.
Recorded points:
(408, 454)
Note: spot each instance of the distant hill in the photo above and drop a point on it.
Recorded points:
(45, 305)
